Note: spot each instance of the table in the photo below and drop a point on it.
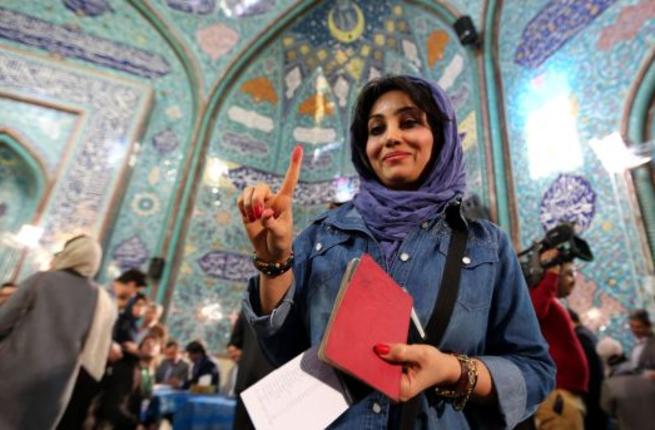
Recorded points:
(192, 411)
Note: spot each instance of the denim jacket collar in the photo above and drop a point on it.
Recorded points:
(347, 218)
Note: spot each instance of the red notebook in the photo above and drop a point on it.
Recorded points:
(370, 308)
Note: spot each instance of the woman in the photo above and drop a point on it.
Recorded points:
(55, 323)
(406, 150)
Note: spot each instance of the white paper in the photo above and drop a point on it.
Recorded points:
(205, 380)
(303, 394)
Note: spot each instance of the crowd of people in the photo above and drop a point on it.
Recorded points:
(496, 353)
(94, 354)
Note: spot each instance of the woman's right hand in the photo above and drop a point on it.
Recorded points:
(268, 217)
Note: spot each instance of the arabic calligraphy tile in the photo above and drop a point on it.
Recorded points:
(553, 26)
(91, 8)
(70, 42)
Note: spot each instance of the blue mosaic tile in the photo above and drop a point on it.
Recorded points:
(569, 199)
(46, 130)
(130, 253)
(69, 42)
(227, 266)
(200, 7)
(18, 200)
(553, 26)
(88, 7)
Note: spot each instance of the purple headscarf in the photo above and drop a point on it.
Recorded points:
(391, 214)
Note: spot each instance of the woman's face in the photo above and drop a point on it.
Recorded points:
(400, 140)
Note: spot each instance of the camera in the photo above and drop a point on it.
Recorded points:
(569, 246)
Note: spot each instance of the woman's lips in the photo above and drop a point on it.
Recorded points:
(395, 156)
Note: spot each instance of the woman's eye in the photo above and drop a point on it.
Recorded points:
(376, 130)
(408, 123)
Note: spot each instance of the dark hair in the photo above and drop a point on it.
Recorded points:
(139, 296)
(149, 336)
(171, 342)
(640, 315)
(133, 275)
(196, 347)
(8, 284)
(418, 92)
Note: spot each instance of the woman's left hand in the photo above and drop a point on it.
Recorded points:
(424, 365)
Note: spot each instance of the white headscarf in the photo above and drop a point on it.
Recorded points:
(82, 254)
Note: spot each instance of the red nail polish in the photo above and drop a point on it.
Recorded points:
(381, 349)
(258, 211)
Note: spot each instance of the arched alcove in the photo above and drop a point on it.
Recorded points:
(296, 85)
(639, 128)
(22, 186)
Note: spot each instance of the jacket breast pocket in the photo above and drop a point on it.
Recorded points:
(328, 257)
(477, 277)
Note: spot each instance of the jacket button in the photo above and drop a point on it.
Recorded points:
(319, 246)
(376, 408)
(466, 260)
(404, 256)
(425, 225)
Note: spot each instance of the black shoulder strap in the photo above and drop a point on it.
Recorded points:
(449, 290)
(445, 302)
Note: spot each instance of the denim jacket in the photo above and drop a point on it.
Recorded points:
(493, 318)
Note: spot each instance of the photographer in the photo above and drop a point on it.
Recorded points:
(564, 407)
(552, 273)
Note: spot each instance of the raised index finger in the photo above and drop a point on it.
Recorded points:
(293, 173)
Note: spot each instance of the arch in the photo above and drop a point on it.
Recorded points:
(635, 129)
(195, 81)
(507, 216)
(31, 183)
(217, 96)
(16, 142)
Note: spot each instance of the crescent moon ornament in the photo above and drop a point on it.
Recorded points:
(351, 34)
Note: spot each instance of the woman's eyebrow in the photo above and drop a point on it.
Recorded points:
(404, 109)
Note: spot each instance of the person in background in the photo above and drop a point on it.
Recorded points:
(564, 408)
(127, 285)
(173, 370)
(491, 367)
(130, 383)
(126, 329)
(203, 366)
(55, 333)
(610, 351)
(595, 418)
(244, 349)
(150, 320)
(643, 353)
(6, 290)
(628, 396)
(629, 399)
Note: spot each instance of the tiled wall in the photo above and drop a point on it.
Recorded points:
(111, 88)
(566, 78)
(298, 89)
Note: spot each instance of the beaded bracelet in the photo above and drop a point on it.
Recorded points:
(465, 385)
(272, 269)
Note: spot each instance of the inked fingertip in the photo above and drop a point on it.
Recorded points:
(296, 155)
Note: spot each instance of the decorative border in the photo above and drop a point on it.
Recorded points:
(73, 43)
(92, 179)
